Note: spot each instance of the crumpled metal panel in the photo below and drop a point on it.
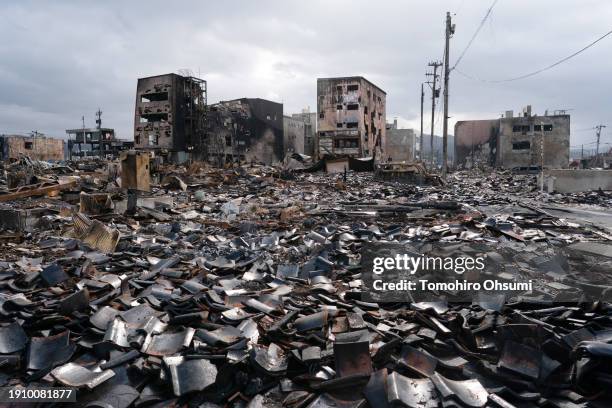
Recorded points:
(95, 234)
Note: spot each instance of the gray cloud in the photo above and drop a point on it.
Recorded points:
(61, 60)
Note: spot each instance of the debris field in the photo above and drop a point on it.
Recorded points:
(242, 287)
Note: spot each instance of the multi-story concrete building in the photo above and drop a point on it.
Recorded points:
(310, 129)
(246, 129)
(514, 142)
(300, 132)
(169, 115)
(294, 133)
(351, 118)
(400, 143)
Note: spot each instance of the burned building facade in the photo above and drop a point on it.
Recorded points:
(36, 147)
(244, 130)
(99, 141)
(310, 129)
(400, 143)
(520, 142)
(294, 134)
(170, 113)
(351, 118)
(476, 142)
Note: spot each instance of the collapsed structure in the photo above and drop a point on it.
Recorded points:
(522, 142)
(351, 118)
(246, 129)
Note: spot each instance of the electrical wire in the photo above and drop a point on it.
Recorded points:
(469, 44)
(539, 71)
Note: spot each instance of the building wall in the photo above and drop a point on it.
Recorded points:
(293, 134)
(574, 181)
(520, 140)
(247, 129)
(514, 142)
(400, 143)
(351, 117)
(310, 129)
(476, 142)
(158, 117)
(37, 148)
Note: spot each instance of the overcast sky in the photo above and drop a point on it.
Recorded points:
(61, 60)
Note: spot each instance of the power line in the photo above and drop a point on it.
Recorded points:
(484, 19)
(541, 69)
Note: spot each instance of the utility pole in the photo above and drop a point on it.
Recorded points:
(435, 93)
(421, 138)
(598, 128)
(541, 157)
(450, 30)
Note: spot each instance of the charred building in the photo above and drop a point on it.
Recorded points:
(99, 141)
(400, 143)
(170, 114)
(351, 118)
(36, 147)
(300, 132)
(244, 130)
(294, 134)
(521, 142)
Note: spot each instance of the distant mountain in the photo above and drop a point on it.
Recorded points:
(437, 142)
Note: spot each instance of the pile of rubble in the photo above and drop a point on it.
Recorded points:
(240, 288)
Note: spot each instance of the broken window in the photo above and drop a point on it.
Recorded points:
(352, 106)
(154, 97)
(339, 88)
(228, 140)
(156, 117)
(365, 110)
(268, 117)
(524, 145)
(29, 145)
(525, 128)
(322, 115)
(346, 143)
(516, 128)
(339, 125)
(352, 88)
(153, 138)
(137, 139)
(548, 128)
(352, 124)
(537, 128)
(339, 107)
